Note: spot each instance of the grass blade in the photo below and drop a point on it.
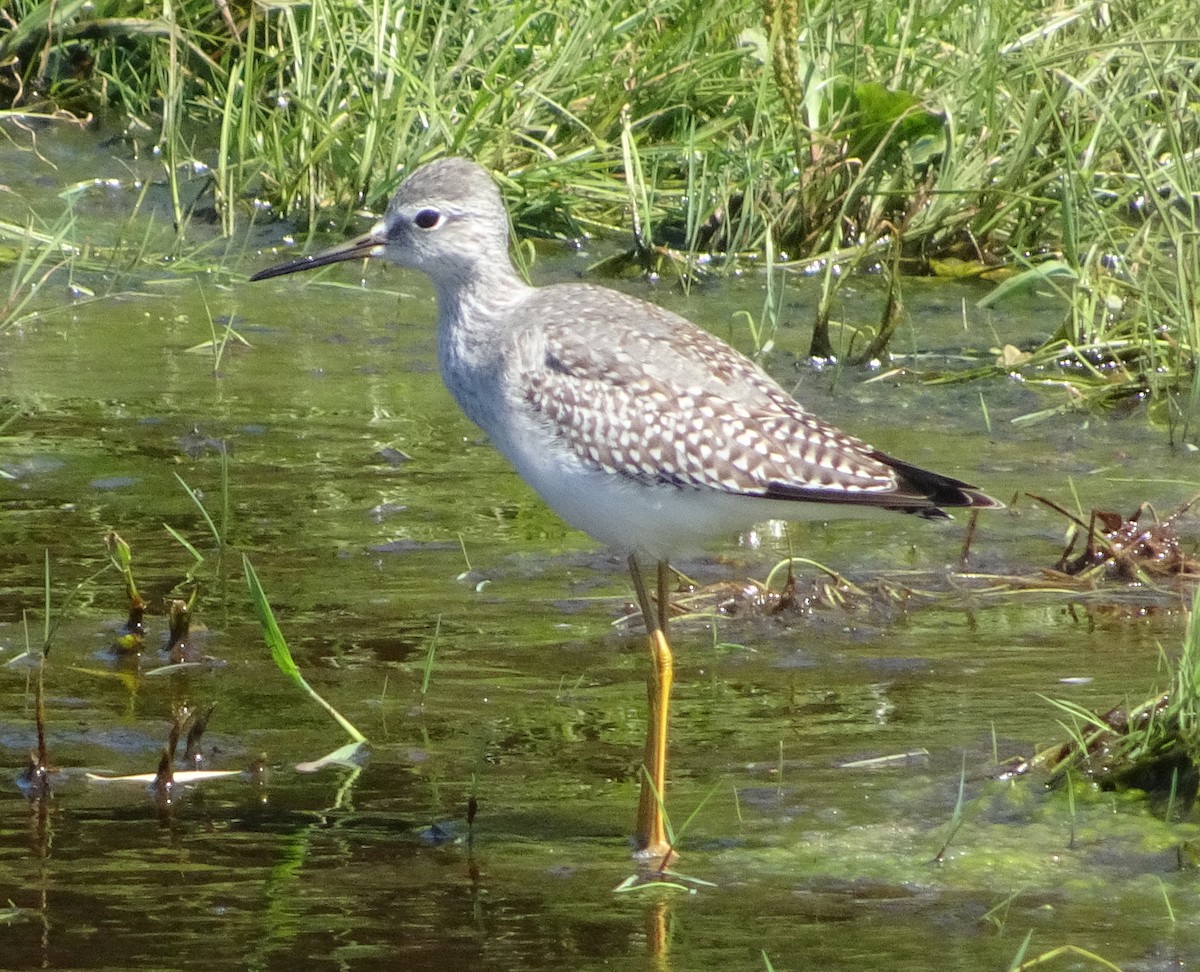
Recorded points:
(282, 654)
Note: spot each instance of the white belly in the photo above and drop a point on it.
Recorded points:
(653, 521)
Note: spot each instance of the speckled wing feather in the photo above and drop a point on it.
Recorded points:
(663, 401)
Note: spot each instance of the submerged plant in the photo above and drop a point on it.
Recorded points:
(132, 634)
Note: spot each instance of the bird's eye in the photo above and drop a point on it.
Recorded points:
(427, 218)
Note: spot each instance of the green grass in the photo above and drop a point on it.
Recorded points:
(839, 123)
(835, 136)
(34, 256)
(282, 655)
(1152, 747)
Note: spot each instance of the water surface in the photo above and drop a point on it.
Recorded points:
(381, 523)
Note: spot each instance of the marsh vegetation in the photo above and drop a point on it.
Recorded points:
(988, 212)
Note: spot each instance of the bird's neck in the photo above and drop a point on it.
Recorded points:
(473, 301)
(475, 318)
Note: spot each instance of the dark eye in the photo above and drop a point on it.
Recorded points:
(427, 218)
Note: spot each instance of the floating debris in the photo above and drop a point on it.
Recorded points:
(1126, 549)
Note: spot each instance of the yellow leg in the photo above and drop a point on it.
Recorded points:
(651, 829)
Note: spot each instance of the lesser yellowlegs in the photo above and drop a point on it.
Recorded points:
(634, 425)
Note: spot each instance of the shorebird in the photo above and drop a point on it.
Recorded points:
(635, 425)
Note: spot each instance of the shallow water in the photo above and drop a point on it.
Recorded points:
(380, 523)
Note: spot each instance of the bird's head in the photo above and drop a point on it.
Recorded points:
(446, 219)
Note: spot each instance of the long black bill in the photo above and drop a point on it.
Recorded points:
(358, 248)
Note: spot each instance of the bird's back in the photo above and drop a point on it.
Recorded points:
(638, 392)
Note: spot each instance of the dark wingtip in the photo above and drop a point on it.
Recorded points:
(981, 501)
(938, 489)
